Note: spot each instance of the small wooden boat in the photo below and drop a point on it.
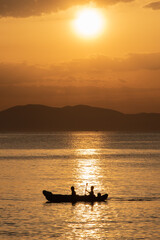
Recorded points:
(57, 198)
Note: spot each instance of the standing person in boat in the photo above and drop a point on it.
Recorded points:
(91, 193)
(73, 191)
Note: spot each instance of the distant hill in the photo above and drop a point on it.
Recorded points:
(34, 118)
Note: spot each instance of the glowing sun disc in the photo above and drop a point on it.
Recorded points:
(89, 23)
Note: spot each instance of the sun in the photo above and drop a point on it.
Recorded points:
(89, 23)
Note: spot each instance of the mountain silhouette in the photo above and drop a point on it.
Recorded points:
(35, 118)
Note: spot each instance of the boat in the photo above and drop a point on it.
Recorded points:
(58, 198)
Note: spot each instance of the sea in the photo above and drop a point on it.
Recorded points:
(125, 165)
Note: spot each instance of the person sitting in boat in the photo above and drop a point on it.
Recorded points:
(73, 191)
(91, 193)
(99, 195)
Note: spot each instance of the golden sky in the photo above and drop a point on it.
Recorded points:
(44, 59)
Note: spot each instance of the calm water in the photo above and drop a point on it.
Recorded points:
(126, 166)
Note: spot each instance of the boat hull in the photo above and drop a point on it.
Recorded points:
(57, 198)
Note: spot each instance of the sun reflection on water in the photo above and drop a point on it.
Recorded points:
(87, 171)
(88, 220)
(86, 152)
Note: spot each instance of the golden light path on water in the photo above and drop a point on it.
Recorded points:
(87, 170)
(88, 173)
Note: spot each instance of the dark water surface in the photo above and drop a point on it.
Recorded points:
(124, 165)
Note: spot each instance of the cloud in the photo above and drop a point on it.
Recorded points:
(27, 8)
(86, 72)
(132, 62)
(20, 74)
(126, 84)
(154, 5)
(142, 61)
(72, 71)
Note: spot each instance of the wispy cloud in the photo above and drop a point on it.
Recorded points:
(27, 8)
(133, 62)
(153, 5)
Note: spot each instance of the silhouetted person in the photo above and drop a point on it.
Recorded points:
(73, 191)
(99, 195)
(91, 193)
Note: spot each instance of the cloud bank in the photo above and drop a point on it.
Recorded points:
(128, 85)
(154, 5)
(27, 8)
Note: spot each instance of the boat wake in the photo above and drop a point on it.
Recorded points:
(125, 199)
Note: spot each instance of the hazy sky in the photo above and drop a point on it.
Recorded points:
(44, 61)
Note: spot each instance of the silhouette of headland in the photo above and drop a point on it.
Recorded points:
(39, 118)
